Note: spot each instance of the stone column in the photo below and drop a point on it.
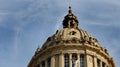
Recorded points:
(61, 60)
(100, 63)
(46, 63)
(78, 58)
(53, 61)
(94, 61)
(40, 65)
(86, 60)
(70, 60)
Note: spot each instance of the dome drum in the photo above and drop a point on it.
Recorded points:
(89, 52)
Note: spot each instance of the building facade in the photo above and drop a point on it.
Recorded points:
(71, 47)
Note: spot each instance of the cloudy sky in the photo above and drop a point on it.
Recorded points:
(25, 24)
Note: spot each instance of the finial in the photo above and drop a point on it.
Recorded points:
(38, 49)
(70, 11)
(69, 7)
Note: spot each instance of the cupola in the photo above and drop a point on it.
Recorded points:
(70, 20)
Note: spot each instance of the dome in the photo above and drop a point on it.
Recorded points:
(70, 35)
(71, 47)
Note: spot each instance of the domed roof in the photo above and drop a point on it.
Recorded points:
(70, 40)
(70, 33)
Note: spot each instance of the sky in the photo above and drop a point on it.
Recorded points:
(26, 24)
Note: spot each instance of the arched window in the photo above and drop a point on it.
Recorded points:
(66, 60)
(82, 61)
(49, 62)
(74, 58)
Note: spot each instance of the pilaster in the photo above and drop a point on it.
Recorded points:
(100, 63)
(40, 65)
(94, 61)
(86, 59)
(46, 63)
(70, 60)
(61, 60)
(78, 58)
(53, 61)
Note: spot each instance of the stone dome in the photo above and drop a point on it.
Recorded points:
(70, 35)
(69, 45)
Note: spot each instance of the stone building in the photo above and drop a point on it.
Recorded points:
(71, 47)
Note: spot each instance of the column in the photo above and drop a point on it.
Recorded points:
(53, 61)
(40, 65)
(100, 63)
(86, 60)
(94, 61)
(61, 60)
(46, 63)
(70, 60)
(78, 58)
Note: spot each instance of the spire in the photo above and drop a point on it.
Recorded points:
(70, 20)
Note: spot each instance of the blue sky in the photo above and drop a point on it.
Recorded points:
(25, 24)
